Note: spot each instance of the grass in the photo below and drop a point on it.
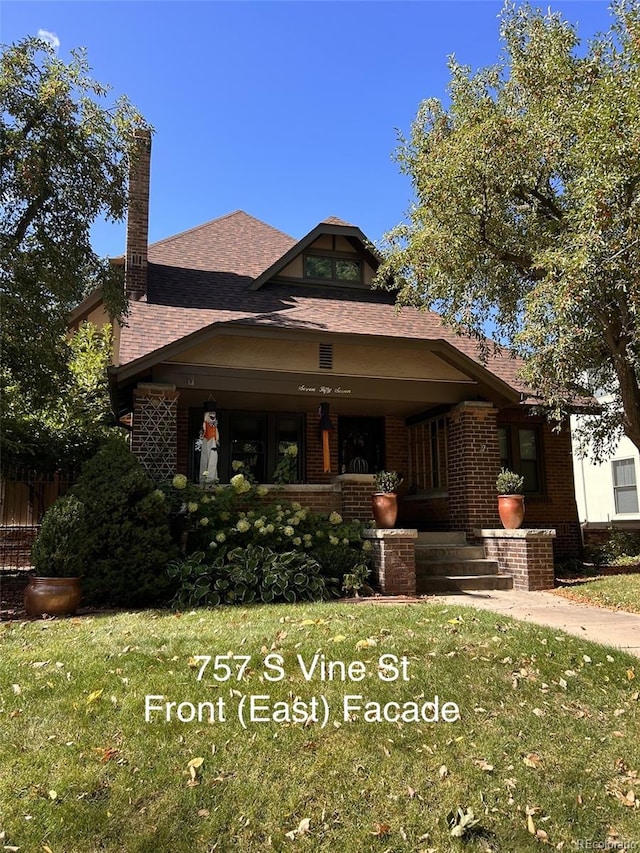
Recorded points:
(546, 750)
(617, 592)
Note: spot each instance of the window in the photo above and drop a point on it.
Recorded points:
(520, 452)
(625, 491)
(327, 268)
(258, 440)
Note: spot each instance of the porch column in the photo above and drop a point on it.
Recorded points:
(473, 454)
(155, 424)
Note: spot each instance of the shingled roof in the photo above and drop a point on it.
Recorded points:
(204, 276)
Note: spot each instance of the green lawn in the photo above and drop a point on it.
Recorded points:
(546, 749)
(617, 592)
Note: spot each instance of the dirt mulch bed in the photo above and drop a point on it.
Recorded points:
(12, 588)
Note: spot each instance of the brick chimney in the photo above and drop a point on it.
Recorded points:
(135, 268)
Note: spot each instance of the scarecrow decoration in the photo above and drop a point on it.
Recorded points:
(324, 427)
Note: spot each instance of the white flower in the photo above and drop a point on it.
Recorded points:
(204, 521)
(288, 530)
(345, 541)
(242, 526)
(269, 528)
(206, 499)
(262, 491)
(238, 482)
(297, 541)
(159, 494)
(292, 450)
(333, 540)
(366, 546)
(220, 537)
(335, 518)
(180, 481)
(237, 465)
(192, 507)
(295, 506)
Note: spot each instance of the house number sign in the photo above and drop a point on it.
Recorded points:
(325, 390)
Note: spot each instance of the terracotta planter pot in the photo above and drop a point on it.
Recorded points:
(511, 510)
(385, 509)
(54, 596)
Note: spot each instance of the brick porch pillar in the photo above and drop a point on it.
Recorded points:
(394, 559)
(473, 464)
(155, 426)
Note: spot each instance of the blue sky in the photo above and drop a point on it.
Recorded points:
(287, 110)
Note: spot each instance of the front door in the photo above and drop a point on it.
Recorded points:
(360, 445)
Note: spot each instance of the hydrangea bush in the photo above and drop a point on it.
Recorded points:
(218, 523)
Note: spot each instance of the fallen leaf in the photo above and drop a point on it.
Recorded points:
(631, 673)
(53, 795)
(443, 772)
(531, 825)
(203, 812)
(381, 830)
(16, 689)
(93, 697)
(532, 760)
(196, 762)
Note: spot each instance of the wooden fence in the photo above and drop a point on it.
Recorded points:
(25, 495)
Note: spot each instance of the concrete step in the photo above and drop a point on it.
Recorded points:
(426, 553)
(451, 566)
(462, 583)
(446, 537)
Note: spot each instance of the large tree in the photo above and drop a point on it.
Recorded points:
(526, 218)
(65, 147)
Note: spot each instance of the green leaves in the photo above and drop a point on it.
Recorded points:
(527, 209)
(64, 164)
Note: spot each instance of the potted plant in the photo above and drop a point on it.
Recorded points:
(55, 588)
(509, 486)
(384, 500)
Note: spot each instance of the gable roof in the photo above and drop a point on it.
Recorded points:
(334, 226)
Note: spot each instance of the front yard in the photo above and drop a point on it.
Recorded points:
(616, 592)
(103, 749)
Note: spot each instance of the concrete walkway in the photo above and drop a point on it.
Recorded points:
(609, 627)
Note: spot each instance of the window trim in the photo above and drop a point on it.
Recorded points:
(513, 462)
(628, 487)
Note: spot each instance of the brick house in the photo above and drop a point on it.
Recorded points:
(271, 327)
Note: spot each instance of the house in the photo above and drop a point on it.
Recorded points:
(266, 329)
(607, 492)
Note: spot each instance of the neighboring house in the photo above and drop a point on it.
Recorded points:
(270, 327)
(607, 493)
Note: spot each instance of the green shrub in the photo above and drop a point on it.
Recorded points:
(246, 575)
(54, 552)
(123, 536)
(622, 543)
(346, 568)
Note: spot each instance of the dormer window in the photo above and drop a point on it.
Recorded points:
(330, 268)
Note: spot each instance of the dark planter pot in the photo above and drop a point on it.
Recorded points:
(53, 596)
(511, 510)
(385, 509)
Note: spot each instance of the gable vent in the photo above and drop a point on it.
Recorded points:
(325, 356)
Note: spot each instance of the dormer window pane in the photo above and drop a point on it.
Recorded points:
(347, 270)
(318, 267)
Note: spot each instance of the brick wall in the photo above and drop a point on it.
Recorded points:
(394, 561)
(473, 465)
(556, 506)
(138, 217)
(182, 456)
(397, 446)
(154, 436)
(526, 555)
(356, 496)
(317, 498)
